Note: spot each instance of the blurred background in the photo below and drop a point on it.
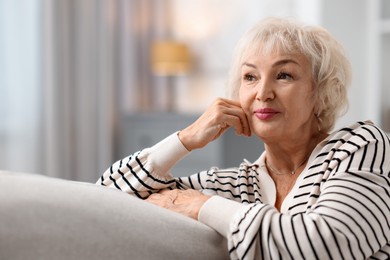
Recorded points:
(86, 82)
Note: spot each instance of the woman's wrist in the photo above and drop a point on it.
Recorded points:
(218, 213)
(201, 201)
(162, 156)
(185, 139)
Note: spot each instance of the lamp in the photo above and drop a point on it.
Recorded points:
(170, 59)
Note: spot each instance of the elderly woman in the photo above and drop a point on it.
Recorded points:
(313, 193)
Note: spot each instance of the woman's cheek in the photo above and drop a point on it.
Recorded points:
(242, 97)
(245, 101)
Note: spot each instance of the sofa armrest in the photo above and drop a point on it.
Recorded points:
(49, 218)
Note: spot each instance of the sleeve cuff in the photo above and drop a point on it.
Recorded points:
(165, 154)
(218, 213)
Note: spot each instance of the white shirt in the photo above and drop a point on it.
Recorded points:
(338, 208)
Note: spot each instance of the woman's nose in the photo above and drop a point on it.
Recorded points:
(265, 91)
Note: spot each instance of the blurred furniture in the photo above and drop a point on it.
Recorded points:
(144, 130)
(170, 59)
(48, 218)
(383, 52)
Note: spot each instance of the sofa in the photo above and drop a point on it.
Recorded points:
(49, 218)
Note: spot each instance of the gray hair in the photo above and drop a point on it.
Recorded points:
(331, 70)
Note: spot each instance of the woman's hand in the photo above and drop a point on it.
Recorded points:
(221, 115)
(185, 202)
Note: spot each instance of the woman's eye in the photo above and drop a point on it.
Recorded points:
(284, 75)
(249, 77)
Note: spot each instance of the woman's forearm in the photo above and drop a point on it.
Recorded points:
(147, 170)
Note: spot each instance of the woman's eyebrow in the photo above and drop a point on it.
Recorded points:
(285, 61)
(249, 65)
(276, 64)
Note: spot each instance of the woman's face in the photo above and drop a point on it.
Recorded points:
(276, 94)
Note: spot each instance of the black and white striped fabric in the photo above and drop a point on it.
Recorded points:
(339, 207)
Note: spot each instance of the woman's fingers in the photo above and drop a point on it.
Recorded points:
(221, 115)
(185, 202)
(241, 126)
(238, 122)
(160, 200)
(164, 198)
(232, 115)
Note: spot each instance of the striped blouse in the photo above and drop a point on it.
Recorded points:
(339, 207)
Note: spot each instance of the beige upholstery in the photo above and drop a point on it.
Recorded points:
(49, 218)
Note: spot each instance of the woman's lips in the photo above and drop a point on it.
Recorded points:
(265, 113)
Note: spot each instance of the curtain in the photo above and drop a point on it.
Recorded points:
(69, 70)
(20, 119)
(79, 87)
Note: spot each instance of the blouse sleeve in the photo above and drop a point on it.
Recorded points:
(146, 171)
(350, 218)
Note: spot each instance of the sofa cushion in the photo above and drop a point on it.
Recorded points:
(50, 218)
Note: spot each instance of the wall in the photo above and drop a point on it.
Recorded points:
(385, 64)
(211, 29)
(358, 25)
(351, 28)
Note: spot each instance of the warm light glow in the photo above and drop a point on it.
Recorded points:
(170, 58)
